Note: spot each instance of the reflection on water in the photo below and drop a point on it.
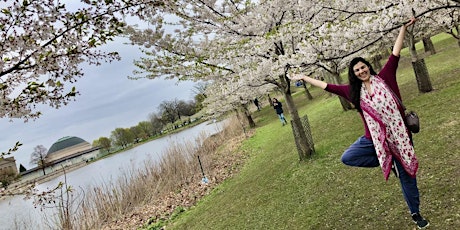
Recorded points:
(17, 213)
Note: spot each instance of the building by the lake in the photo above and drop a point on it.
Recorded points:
(66, 152)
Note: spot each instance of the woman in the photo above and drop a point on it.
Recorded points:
(386, 142)
(279, 110)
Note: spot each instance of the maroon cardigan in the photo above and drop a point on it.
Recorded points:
(387, 74)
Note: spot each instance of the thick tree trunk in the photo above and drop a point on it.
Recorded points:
(303, 143)
(304, 148)
(428, 45)
(241, 123)
(327, 76)
(251, 122)
(345, 104)
(422, 76)
(421, 71)
(306, 126)
(307, 92)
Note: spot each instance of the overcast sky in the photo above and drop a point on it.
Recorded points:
(107, 100)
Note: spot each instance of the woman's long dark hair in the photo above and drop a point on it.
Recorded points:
(355, 82)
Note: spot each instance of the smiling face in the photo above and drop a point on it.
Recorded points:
(362, 71)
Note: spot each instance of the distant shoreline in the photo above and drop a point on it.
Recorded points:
(16, 188)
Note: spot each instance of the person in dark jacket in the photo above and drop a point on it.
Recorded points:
(256, 102)
(387, 141)
(279, 110)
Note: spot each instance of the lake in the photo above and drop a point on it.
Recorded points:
(18, 213)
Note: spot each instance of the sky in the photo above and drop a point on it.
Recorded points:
(107, 100)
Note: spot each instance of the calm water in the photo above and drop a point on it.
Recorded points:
(17, 213)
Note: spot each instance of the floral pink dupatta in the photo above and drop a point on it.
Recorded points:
(387, 129)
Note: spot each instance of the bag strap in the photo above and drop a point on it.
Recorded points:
(394, 94)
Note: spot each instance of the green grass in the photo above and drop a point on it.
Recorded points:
(276, 191)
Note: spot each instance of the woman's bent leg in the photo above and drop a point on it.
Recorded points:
(361, 154)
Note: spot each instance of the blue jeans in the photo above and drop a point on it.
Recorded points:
(282, 119)
(362, 154)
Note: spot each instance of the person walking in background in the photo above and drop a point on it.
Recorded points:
(256, 102)
(279, 110)
(387, 141)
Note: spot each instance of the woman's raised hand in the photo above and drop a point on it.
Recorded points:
(399, 40)
(411, 22)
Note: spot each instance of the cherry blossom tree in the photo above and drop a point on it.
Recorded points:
(372, 26)
(447, 17)
(44, 42)
(214, 40)
(232, 95)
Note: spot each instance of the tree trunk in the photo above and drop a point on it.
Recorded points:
(251, 122)
(428, 45)
(376, 62)
(43, 167)
(327, 76)
(307, 92)
(422, 76)
(41, 163)
(455, 32)
(421, 71)
(306, 126)
(345, 104)
(304, 148)
(241, 123)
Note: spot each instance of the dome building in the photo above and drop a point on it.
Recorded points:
(67, 152)
(66, 147)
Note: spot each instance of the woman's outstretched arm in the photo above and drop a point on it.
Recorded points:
(312, 81)
(399, 40)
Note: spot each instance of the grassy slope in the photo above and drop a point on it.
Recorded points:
(276, 191)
